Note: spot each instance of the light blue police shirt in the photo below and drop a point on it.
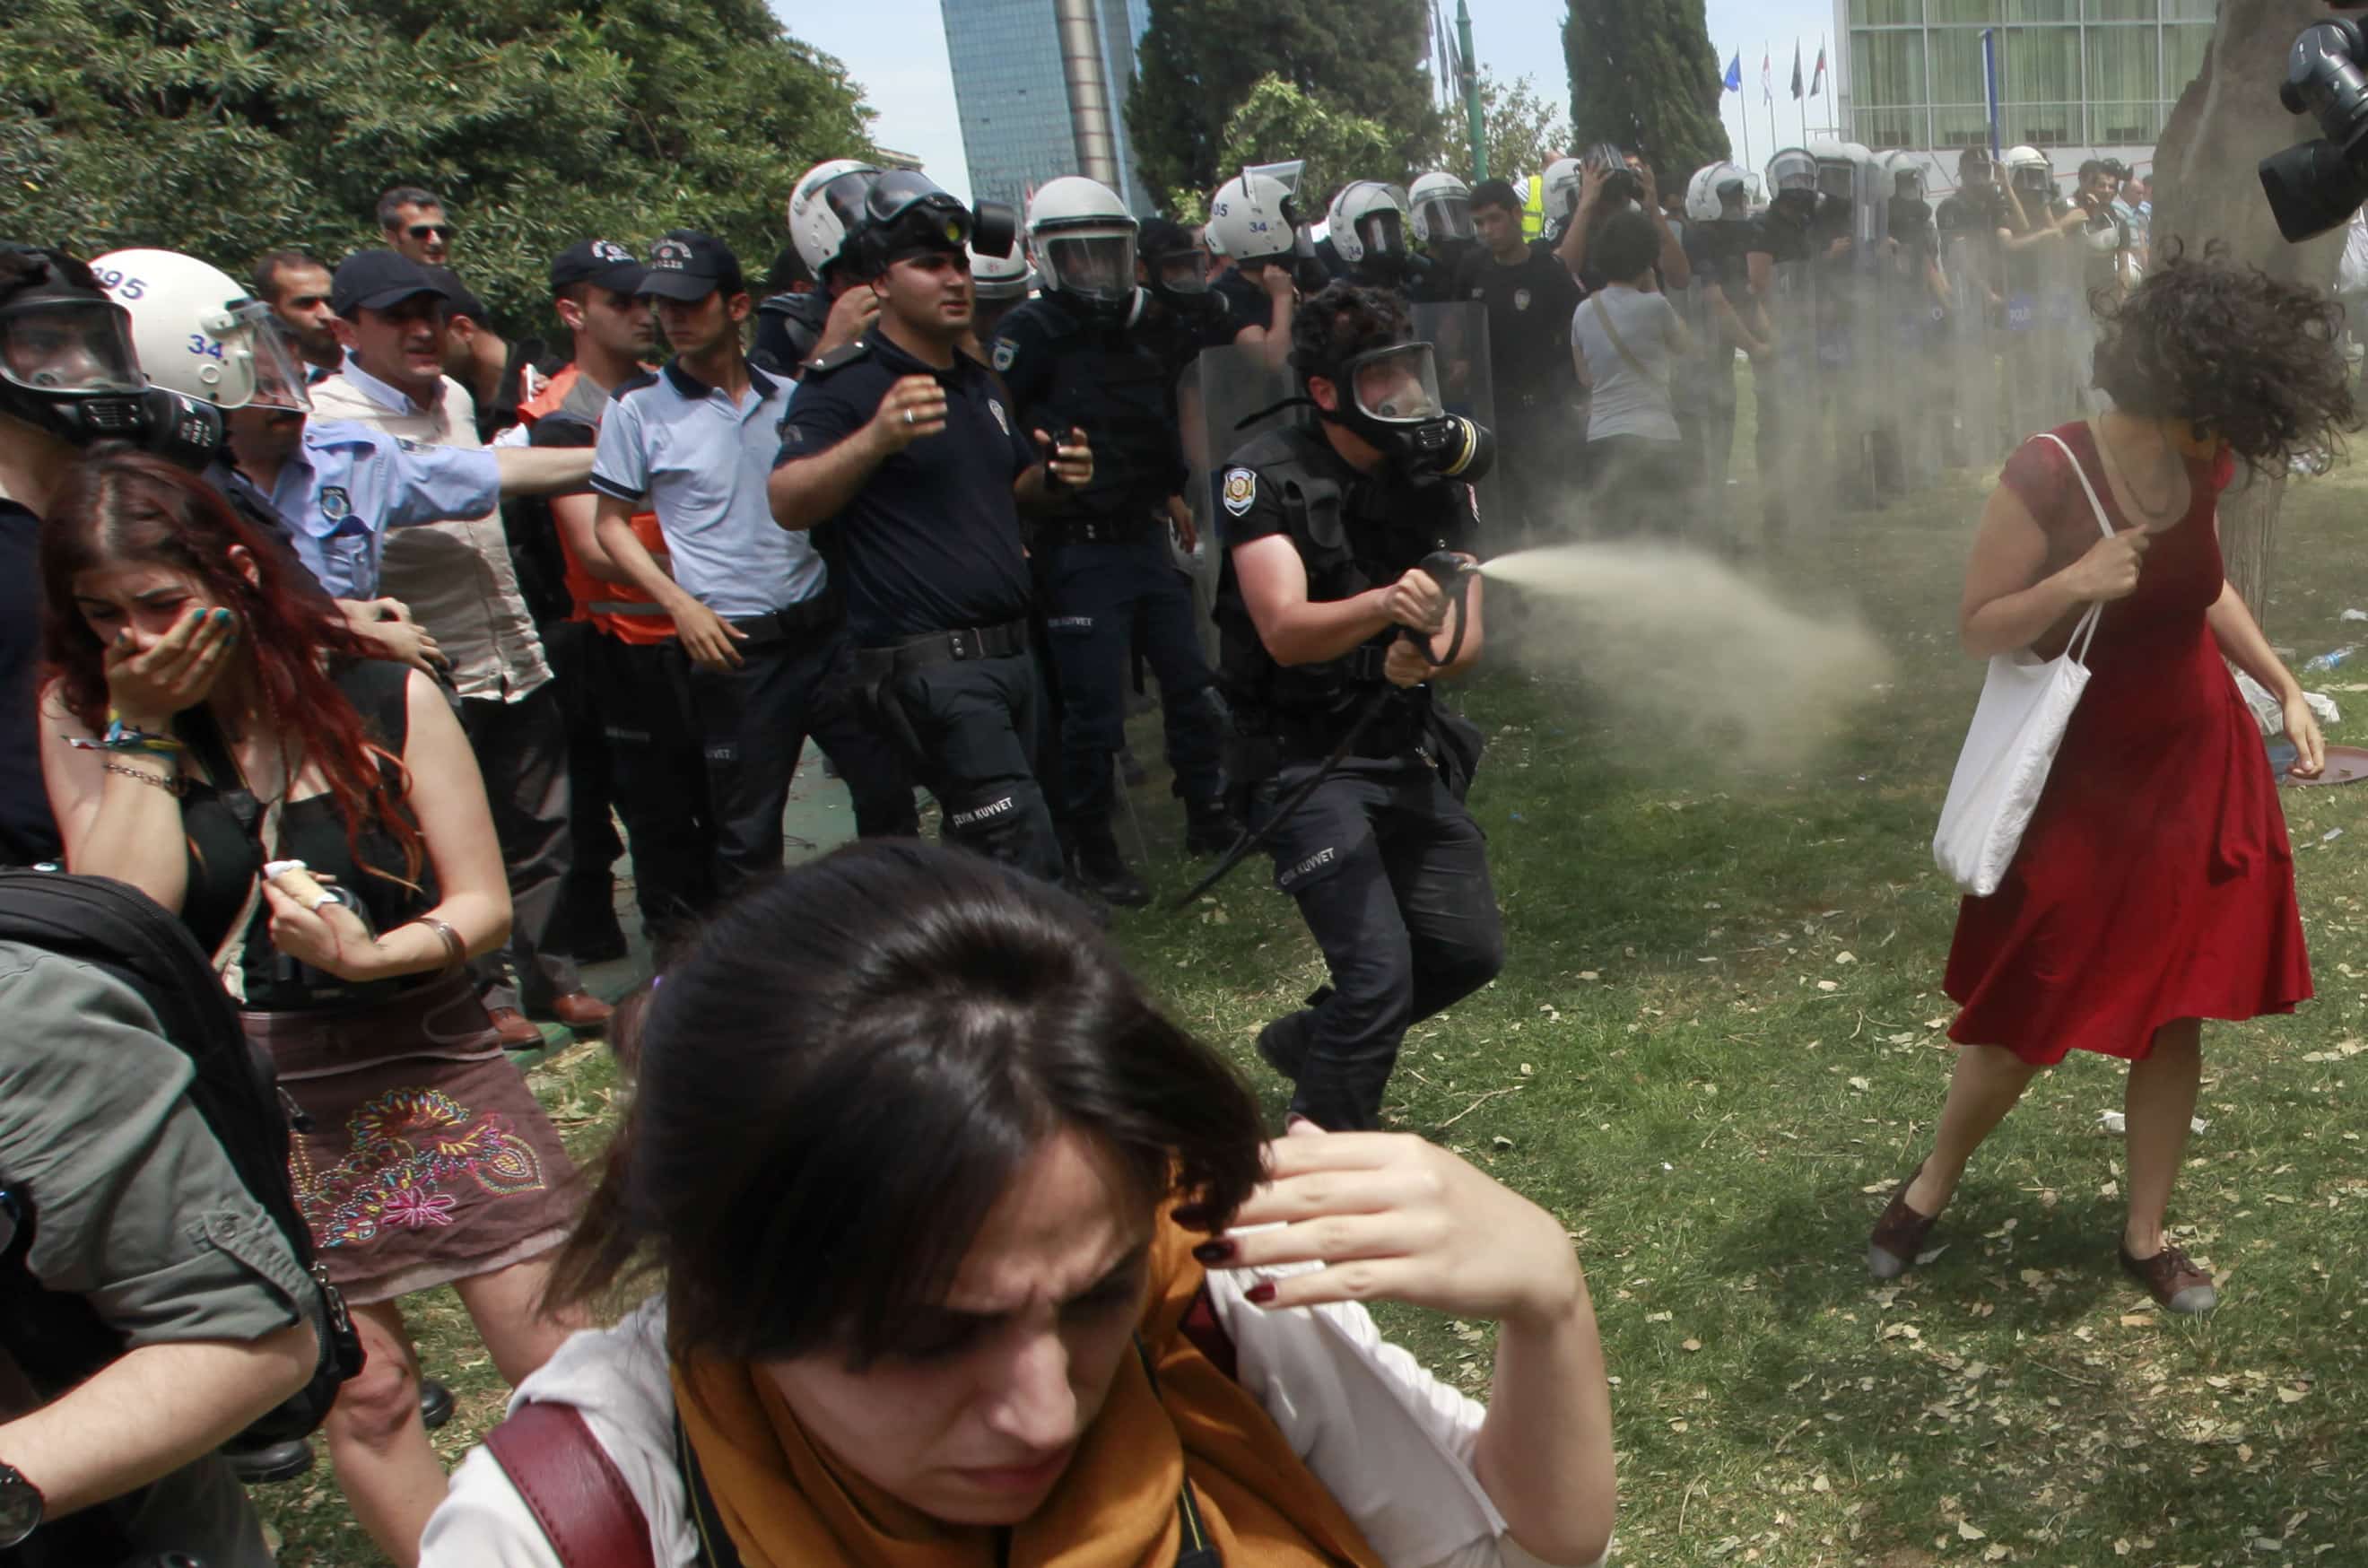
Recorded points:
(687, 452)
(346, 483)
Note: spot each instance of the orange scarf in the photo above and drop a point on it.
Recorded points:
(786, 1507)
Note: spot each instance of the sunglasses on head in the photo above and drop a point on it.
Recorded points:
(441, 231)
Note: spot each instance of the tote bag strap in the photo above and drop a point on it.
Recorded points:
(2086, 632)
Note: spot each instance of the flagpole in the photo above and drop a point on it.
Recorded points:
(1743, 118)
(1767, 91)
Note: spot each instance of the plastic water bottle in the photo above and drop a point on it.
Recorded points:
(2327, 662)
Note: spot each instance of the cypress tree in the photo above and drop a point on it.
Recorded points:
(1644, 76)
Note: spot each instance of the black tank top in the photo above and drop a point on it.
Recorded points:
(224, 856)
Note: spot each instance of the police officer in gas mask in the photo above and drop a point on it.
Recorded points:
(1371, 226)
(1074, 359)
(1778, 265)
(1343, 598)
(69, 377)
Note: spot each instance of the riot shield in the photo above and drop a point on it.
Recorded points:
(1909, 368)
(1221, 401)
(1970, 352)
(1792, 439)
(2028, 361)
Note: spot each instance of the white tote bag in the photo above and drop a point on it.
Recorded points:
(2017, 728)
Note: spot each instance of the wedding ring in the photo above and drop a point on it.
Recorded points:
(908, 416)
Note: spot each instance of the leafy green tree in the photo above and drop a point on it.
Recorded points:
(1202, 60)
(1278, 121)
(1521, 129)
(1643, 76)
(225, 128)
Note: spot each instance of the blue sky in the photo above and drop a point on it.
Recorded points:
(896, 49)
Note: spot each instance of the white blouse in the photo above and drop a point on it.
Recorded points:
(1392, 1443)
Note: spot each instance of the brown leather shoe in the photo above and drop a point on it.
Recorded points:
(1898, 1235)
(2173, 1280)
(516, 1031)
(582, 1011)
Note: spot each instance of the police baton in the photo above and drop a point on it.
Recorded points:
(1453, 574)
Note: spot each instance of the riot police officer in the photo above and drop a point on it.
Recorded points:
(1718, 213)
(1783, 287)
(793, 328)
(1254, 225)
(997, 284)
(1073, 362)
(1442, 221)
(1335, 530)
(1371, 226)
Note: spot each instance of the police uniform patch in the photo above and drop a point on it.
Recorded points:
(336, 504)
(1000, 417)
(1241, 490)
(1005, 351)
(1521, 299)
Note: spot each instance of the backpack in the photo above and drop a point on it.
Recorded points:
(119, 930)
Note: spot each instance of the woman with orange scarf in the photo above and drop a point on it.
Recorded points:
(968, 1258)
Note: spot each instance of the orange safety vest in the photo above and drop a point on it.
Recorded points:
(620, 609)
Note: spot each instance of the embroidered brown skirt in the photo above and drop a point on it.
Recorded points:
(427, 1159)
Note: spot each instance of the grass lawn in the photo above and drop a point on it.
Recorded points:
(1715, 1043)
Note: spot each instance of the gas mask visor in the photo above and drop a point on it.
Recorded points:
(1097, 267)
(68, 348)
(1182, 272)
(1396, 386)
(279, 379)
(1383, 233)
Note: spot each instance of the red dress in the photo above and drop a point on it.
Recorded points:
(2154, 882)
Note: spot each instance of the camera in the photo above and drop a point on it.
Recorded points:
(2316, 184)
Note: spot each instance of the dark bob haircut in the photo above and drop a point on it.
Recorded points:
(2245, 356)
(843, 1076)
(1344, 321)
(1623, 246)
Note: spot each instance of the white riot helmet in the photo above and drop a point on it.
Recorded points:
(1369, 218)
(828, 202)
(1000, 276)
(1718, 191)
(1558, 192)
(1252, 218)
(1443, 208)
(1083, 238)
(1906, 172)
(1839, 164)
(2030, 171)
(1793, 178)
(197, 332)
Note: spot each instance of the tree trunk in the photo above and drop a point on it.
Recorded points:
(2206, 192)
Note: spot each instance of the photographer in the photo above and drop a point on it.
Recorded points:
(115, 1193)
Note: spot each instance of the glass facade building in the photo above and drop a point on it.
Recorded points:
(1014, 105)
(2096, 76)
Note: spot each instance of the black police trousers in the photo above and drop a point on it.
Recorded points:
(970, 727)
(753, 721)
(642, 697)
(1098, 598)
(587, 918)
(1391, 874)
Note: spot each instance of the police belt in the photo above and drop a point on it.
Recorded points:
(957, 646)
(1135, 529)
(792, 623)
(1308, 733)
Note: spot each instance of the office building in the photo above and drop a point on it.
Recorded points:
(1041, 87)
(2077, 78)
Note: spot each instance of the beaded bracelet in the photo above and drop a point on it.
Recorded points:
(122, 736)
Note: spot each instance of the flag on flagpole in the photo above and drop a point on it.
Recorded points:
(1767, 73)
(1734, 82)
(1796, 68)
(1817, 79)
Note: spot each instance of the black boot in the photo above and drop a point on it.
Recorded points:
(1283, 1044)
(262, 1464)
(435, 1403)
(1094, 861)
(1208, 828)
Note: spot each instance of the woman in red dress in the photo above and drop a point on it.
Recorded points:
(2153, 888)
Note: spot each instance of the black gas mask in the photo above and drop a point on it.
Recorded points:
(1389, 397)
(67, 368)
(904, 214)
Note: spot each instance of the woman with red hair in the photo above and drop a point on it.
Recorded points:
(208, 712)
